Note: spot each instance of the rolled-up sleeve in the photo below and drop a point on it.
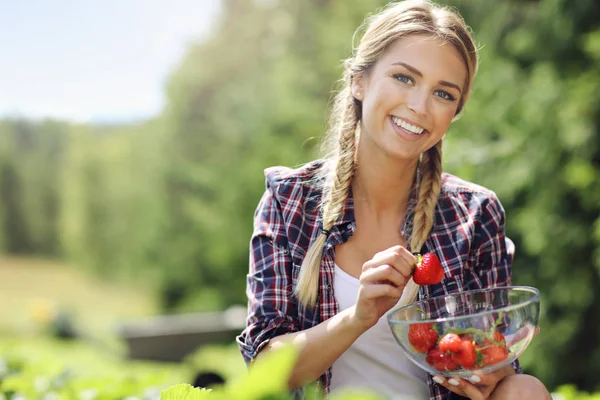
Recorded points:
(272, 308)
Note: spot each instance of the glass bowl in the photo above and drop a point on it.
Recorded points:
(497, 324)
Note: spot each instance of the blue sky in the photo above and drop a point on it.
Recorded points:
(84, 60)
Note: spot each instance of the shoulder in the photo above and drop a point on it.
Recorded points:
(284, 181)
(453, 185)
(468, 196)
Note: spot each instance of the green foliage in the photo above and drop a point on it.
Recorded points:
(43, 369)
(266, 380)
(30, 167)
(224, 360)
(40, 369)
(169, 202)
(570, 392)
(185, 392)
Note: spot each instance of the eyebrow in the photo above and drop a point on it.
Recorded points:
(418, 73)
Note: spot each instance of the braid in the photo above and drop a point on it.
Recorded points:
(334, 198)
(425, 211)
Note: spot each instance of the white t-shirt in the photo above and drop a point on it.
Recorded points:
(375, 361)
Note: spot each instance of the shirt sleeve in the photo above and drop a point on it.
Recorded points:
(494, 252)
(271, 305)
(494, 256)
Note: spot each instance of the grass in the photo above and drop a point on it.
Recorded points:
(32, 291)
(50, 355)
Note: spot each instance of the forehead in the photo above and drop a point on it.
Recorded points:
(433, 57)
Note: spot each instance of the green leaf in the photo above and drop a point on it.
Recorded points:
(267, 376)
(185, 392)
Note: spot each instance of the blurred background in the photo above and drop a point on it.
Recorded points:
(133, 138)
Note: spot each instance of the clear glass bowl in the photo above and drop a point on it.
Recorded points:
(499, 323)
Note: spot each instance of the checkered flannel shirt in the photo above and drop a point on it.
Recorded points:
(468, 236)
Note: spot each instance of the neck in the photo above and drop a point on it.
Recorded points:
(382, 186)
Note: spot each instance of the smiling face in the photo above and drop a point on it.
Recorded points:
(410, 97)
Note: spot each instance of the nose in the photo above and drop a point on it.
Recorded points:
(417, 101)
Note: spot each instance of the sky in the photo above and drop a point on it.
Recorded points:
(94, 61)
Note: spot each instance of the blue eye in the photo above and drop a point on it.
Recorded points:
(403, 78)
(444, 95)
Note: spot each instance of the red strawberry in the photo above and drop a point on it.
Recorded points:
(493, 355)
(440, 360)
(466, 356)
(428, 271)
(499, 339)
(422, 337)
(450, 342)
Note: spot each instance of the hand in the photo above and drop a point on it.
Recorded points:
(479, 386)
(382, 282)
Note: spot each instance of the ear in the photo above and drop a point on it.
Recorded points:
(358, 87)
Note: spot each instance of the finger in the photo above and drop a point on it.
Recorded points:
(450, 384)
(385, 257)
(390, 257)
(410, 261)
(471, 391)
(396, 256)
(374, 291)
(386, 252)
(383, 274)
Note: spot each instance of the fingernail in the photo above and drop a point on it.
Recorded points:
(453, 382)
(475, 379)
(438, 379)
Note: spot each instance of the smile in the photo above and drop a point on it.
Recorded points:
(410, 128)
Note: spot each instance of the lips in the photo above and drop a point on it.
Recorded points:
(407, 130)
(407, 126)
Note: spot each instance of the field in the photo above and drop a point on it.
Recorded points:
(31, 291)
(34, 292)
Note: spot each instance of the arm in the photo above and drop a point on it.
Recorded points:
(319, 346)
(493, 252)
(273, 309)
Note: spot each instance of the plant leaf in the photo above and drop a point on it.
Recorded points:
(267, 376)
(185, 391)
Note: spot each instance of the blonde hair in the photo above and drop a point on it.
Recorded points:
(397, 20)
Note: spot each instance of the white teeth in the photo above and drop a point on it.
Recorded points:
(415, 130)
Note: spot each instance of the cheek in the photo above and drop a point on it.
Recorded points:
(383, 98)
(445, 118)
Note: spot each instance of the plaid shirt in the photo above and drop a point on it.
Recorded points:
(468, 236)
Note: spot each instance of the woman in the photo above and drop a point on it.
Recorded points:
(333, 242)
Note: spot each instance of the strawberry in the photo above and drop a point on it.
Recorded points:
(499, 339)
(440, 360)
(466, 356)
(493, 354)
(428, 270)
(422, 337)
(450, 342)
